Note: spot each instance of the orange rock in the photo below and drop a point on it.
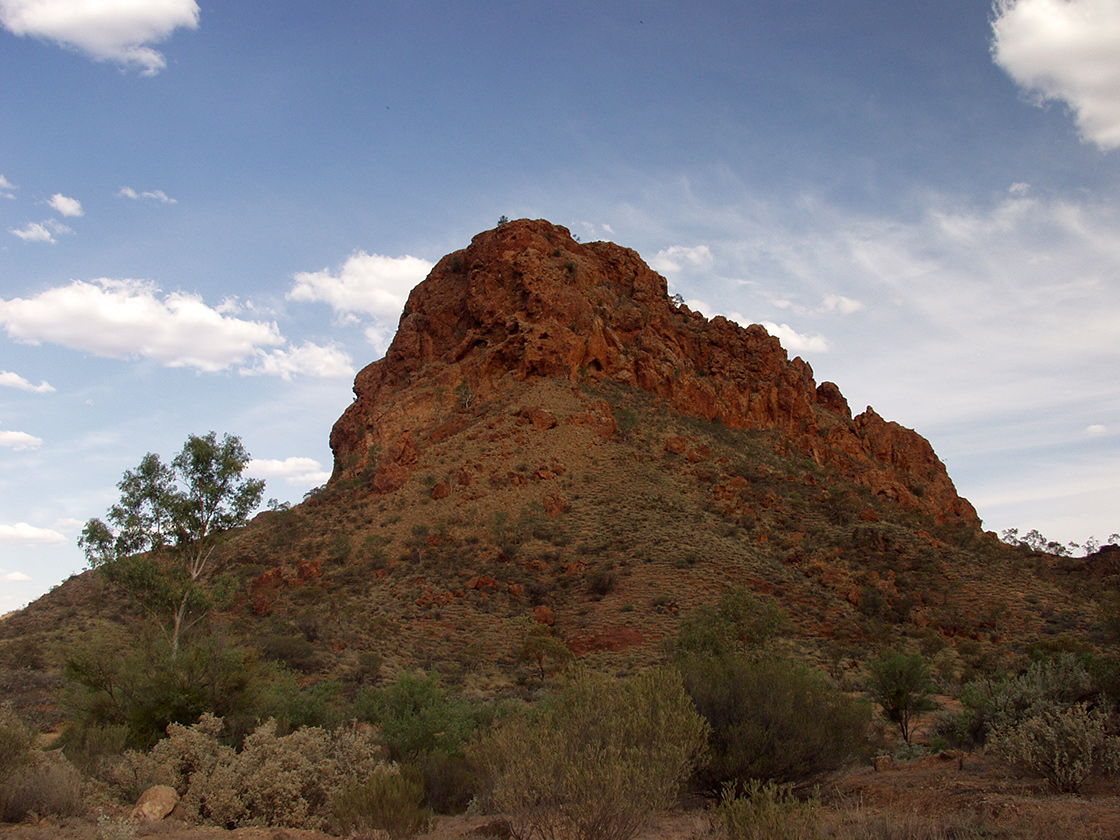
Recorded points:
(544, 615)
(526, 301)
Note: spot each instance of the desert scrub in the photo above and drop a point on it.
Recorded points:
(595, 762)
(389, 800)
(32, 780)
(276, 780)
(1063, 745)
(771, 719)
(765, 811)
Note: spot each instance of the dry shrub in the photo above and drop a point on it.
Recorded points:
(1064, 746)
(33, 781)
(768, 812)
(598, 762)
(860, 824)
(387, 800)
(16, 741)
(48, 784)
(275, 780)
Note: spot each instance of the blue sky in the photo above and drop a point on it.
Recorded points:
(211, 214)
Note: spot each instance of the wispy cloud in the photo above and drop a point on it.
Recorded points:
(294, 471)
(14, 380)
(23, 534)
(6, 188)
(66, 206)
(1065, 50)
(672, 259)
(41, 231)
(19, 440)
(157, 196)
(108, 30)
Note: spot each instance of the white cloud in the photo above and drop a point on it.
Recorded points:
(1066, 50)
(15, 577)
(158, 196)
(66, 206)
(675, 258)
(41, 231)
(1096, 430)
(841, 304)
(107, 30)
(131, 318)
(23, 534)
(14, 380)
(19, 440)
(5, 187)
(296, 471)
(306, 360)
(368, 284)
(794, 341)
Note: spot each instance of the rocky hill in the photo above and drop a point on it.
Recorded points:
(526, 302)
(552, 442)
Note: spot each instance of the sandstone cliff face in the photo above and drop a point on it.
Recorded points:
(527, 301)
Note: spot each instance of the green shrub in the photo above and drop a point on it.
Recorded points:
(740, 622)
(1048, 684)
(768, 812)
(902, 685)
(147, 688)
(771, 719)
(597, 761)
(450, 782)
(417, 717)
(1063, 745)
(388, 800)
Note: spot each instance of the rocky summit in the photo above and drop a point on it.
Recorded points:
(527, 302)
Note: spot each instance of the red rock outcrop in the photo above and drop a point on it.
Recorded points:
(526, 300)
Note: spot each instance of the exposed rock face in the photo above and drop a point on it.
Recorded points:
(525, 300)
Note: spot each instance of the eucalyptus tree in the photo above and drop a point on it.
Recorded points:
(158, 543)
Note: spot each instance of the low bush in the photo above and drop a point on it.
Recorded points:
(287, 780)
(16, 741)
(596, 762)
(772, 719)
(48, 785)
(1063, 745)
(450, 782)
(765, 811)
(388, 800)
(740, 622)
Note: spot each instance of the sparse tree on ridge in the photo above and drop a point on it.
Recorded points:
(160, 536)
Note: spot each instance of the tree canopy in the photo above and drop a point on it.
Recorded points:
(161, 535)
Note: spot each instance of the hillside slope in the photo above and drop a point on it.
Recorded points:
(551, 441)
